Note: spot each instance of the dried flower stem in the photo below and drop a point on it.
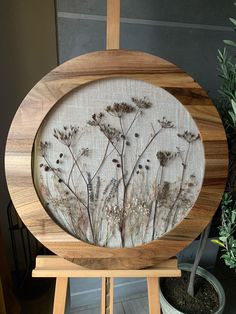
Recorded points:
(87, 187)
(155, 206)
(122, 225)
(62, 181)
(170, 221)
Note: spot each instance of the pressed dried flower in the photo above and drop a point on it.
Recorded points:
(119, 109)
(165, 156)
(96, 119)
(142, 103)
(189, 136)
(43, 148)
(66, 135)
(166, 124)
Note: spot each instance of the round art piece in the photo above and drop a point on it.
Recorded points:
(116, 159)
(119, 170)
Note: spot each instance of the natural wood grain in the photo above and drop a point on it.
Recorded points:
(107, 295)
(76, 73)
(153, 296)
(60, 295)
(53, 266)
(113, 24)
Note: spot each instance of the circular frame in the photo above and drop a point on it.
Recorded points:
(78, 72)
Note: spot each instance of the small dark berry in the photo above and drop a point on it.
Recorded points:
(114, 160)
(60, 180)
(127, 143)
(118, 165)
(136, 135)
(147, 167)
(140, 166)
(122, 136)
(46, 168)
(148, 160)
(41, 165)
(61, 155)
(137, 172)
(57, 161)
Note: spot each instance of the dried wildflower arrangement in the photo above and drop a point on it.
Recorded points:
(124, 193)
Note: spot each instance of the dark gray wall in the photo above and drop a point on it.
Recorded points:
(27, 52)
(185, 32)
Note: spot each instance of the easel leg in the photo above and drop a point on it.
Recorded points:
(153, 295)
(107, 295)
(60, 295)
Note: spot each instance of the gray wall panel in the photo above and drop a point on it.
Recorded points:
(190, 11)
(76, 37)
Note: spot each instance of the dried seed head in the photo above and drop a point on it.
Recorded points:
(189, 136)
(119, 109)
(165, 156)
(166, 124)
(142, 103)
(66, 135)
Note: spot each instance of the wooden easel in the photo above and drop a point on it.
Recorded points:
(61, 269)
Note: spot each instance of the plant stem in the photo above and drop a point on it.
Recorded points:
(201, 248)
(87, 187)
(141, 155)
(69, 188)
(155, 208)
(168, 218)
(103, 159)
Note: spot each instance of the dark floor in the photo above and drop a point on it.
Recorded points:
(133, 305)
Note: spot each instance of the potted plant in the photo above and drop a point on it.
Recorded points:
(198, 291)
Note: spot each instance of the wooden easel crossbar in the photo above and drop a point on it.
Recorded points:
(62, 270)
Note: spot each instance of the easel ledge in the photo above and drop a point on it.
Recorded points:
(61, 269)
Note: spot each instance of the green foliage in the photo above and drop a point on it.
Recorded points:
(227, 230)
(227, 93)
(227, 90)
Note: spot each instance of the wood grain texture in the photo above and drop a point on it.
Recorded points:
(54, 266)
(113, 24)
(59, 304)
(80, 71)
(153, 295)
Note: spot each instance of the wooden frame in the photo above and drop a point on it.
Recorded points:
(76, 73)
(53, 266)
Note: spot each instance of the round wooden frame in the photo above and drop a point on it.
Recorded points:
(77, 72)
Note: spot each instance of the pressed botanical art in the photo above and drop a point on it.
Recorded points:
(118, 163)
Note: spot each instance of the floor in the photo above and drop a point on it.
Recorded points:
(136, 304)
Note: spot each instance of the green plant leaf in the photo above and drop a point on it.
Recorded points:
(230, 43)
(215, 241)
(233, 103)
(232, 20)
